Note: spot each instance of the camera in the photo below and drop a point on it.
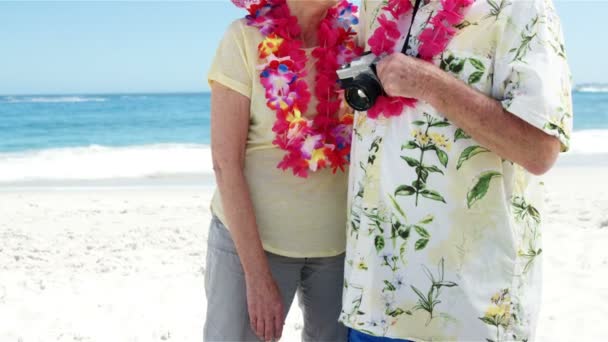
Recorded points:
(360, 82)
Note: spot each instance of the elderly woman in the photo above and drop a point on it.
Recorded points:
(280, 142)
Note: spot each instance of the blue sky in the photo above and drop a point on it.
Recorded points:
(135, 46)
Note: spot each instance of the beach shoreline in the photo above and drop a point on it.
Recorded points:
(123, 260)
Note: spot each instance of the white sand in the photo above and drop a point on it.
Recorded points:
(127, 264)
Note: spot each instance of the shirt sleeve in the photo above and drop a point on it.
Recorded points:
(230, 66)
(531, 77)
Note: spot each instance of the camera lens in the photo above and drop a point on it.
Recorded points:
(364, 92)
(356, 98)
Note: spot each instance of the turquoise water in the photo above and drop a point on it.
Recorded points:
(42, 122)
(590, 111)
(146, 135)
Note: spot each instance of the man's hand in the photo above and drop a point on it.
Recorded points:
(476, 113)
(265, 306)
(404, 76)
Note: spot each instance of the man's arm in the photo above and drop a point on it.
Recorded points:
(482, 117)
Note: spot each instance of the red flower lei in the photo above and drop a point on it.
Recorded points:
(324, 141)
(433, 40)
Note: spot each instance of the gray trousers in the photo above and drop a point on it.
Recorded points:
(318, 282)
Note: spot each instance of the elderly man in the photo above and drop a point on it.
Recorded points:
(444, 238)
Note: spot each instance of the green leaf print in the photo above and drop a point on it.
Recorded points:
(398, 207)
(425, 140)
(530, 216)
(527, 36)
(419, 123)
(530, 255)
(402, 251)
(410, 145)
(442, 156)
(475, 77)
(553, 127)
(429, 301)
(457, 67)
(427, 219)
(524, 211)
(379, 242)
(460, 134)
(489, 321)
(395, 226)
(449, 59)
(496, 8)
(396, 312)
(422, 232)
(481, 188)
(477, 64)
(424, 176)
(411, 161)
(405, 190)
(389, 286)
(469, 153)
(432, 168)
(405, 233)
(420, 244)
(431, 194)
(440, 124)
(376, 218)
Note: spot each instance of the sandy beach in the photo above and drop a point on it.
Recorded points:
(107, 263)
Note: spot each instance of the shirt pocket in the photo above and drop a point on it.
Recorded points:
(473, 69)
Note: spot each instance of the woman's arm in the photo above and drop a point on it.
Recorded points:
(229, 128)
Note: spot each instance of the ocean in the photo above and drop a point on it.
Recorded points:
(94, 137)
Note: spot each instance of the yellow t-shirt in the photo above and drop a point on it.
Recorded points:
(296, 217)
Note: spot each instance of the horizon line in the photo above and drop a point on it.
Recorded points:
(575, 88)
(186, 92)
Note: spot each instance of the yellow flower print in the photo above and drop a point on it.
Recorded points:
(440, 140)
(421, 138)
(492, 311)
(498, 314)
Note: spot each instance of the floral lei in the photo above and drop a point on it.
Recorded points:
(323, 141)
(434, 39)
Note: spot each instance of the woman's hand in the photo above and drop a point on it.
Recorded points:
(265, 306)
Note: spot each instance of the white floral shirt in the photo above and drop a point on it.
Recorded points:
(444, 236)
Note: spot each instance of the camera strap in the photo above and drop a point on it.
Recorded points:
(406, 45)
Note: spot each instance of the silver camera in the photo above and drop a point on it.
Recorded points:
(360, 82)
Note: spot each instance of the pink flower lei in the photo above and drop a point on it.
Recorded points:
(323, 141)
(433, 40)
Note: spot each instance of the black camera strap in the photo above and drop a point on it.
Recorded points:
(406, 45)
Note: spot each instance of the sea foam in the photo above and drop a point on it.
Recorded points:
(147, 161)
(101, 162)
(52, 99)
(592, 89)
(587, 142)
